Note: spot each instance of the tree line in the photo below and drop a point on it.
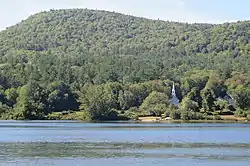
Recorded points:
(111, 66)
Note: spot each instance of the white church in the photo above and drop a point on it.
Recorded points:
(175, 101)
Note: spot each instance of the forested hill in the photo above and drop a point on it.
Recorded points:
(100, 32)
(62, 59)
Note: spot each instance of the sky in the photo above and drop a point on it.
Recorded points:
(192, 11)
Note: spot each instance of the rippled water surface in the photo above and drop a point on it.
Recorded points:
(63, 143)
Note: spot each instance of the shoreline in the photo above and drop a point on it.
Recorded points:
(148, 119)
(195, 121)
(224, 119)
(143, 122)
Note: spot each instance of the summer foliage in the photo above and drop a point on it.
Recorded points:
(111, 65)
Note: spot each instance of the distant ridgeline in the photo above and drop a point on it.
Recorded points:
(107, 65)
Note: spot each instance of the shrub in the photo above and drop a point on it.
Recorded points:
(167, 114)
(240, 113)
(226, 112)
(78, 115)
(175, 114)
(216, 117)
(248, 117)
(131, 115)
(185, 115)
(189, 115)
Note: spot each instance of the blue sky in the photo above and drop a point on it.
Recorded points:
(205, 11)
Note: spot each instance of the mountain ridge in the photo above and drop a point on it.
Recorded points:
(116, 12)
(62, 26)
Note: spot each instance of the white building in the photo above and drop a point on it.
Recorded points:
(175, 101)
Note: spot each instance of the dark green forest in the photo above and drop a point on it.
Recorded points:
(105, 65)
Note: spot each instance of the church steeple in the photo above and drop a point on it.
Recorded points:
(173, 90)
(175, 101)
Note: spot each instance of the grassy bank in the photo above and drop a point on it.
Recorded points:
(83, 116)
(66, 115)
(139, 117)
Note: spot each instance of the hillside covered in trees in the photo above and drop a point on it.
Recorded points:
(105, 65)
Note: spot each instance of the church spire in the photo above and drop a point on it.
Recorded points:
(173, 90)
(175, 101)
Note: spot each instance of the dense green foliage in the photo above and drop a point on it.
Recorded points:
(107, 63)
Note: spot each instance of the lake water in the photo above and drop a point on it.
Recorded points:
(68, 143)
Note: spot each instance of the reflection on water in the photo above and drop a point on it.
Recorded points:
(75, 143)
